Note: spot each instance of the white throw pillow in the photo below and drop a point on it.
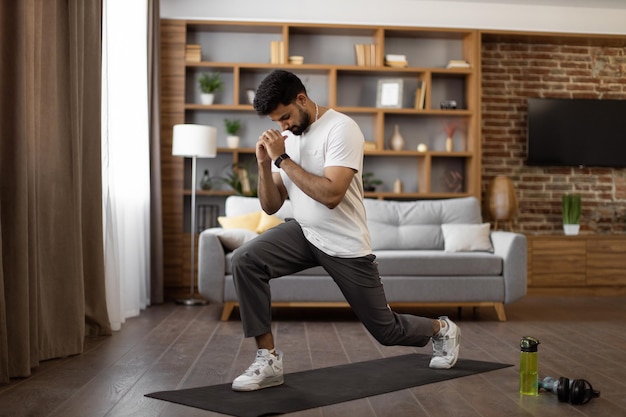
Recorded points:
(466, 237)
(233, 238)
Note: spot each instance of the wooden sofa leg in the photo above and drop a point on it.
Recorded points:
(228, 309)
(500, 311)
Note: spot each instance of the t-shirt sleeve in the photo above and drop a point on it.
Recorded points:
(345, 145)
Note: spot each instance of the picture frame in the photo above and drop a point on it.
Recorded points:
(389, 94)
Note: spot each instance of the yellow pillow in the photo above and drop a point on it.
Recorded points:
(257, 222)
(267, 222)
(248, 221)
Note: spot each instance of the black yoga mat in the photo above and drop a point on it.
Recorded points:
(325, 386)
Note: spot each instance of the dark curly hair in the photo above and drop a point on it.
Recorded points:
(279, 87)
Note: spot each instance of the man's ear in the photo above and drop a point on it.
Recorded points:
(301, 98)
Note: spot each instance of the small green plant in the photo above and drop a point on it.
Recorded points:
(571, 208)
(210, 82)
(232, 126)
(370, 182)
(234, 180)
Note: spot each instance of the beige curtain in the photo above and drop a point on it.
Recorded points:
(52, 274)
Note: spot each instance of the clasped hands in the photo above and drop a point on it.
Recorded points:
(270, 146)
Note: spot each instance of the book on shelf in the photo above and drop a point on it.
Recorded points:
(370, 146)
(396, 60)
(420, 95)
(397, 64)
(193, 53)
(377, 58)
(366, 54)
(277, 52)
(242, 174)
(359, 52)
(458, 63)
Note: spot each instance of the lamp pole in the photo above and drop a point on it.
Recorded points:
(192, 301)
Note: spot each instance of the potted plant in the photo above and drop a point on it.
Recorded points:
(210, 83)
(240, 180)
(232, 128)
(370, 182)
(571, 204)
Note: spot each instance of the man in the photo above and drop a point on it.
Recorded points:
(316, 160)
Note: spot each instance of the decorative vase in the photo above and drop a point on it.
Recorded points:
(397, 141)
(571, 229)
(205, 181)
(502, 200)
(250, 93)
(207, 98)
(232, 141)
(449, 144)
(397, 186)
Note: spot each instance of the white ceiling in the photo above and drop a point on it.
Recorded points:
(599, 4)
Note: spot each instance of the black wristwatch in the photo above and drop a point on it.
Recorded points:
(280, 159)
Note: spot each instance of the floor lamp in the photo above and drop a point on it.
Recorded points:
(194, 141)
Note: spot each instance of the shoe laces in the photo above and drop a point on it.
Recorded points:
(439, 344)
(259, 363)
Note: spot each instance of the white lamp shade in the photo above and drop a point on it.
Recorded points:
(194, 140)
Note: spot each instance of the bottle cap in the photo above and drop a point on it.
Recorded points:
(529, 344)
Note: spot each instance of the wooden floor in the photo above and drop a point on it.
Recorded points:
(171, 346)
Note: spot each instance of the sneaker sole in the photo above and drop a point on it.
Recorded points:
(266, 384)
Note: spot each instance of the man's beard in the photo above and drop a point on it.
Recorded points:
(303, 125)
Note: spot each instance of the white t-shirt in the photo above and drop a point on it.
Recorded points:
(333, 140)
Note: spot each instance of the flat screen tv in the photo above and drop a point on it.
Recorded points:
(576, 132)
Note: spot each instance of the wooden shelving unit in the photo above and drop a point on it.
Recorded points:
(240, 52)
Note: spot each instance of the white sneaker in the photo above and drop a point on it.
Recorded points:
(266, 371)
(446, 345)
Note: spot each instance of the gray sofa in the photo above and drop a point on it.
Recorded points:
(421, 248)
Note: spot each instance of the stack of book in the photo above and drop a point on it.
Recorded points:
(458, 63)
(277, 52)
(366, 54)
(193, 53)
(395, 60)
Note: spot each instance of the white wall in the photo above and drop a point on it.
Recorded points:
(508, 15)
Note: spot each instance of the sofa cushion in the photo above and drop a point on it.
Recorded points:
(267, 222)
(437, 263)
(257, 221)
(237, 205)
(398, 289)
(417, 224)
(466, 237)
(423, 263)
(231, 239)
(248, 221)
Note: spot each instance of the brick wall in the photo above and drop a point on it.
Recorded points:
(515, 70)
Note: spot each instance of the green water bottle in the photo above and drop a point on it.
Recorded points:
(528, 372)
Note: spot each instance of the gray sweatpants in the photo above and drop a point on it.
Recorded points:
(283, 250)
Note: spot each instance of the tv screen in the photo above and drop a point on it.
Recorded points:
(576, 132)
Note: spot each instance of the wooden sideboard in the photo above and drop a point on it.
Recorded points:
(581, 264)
